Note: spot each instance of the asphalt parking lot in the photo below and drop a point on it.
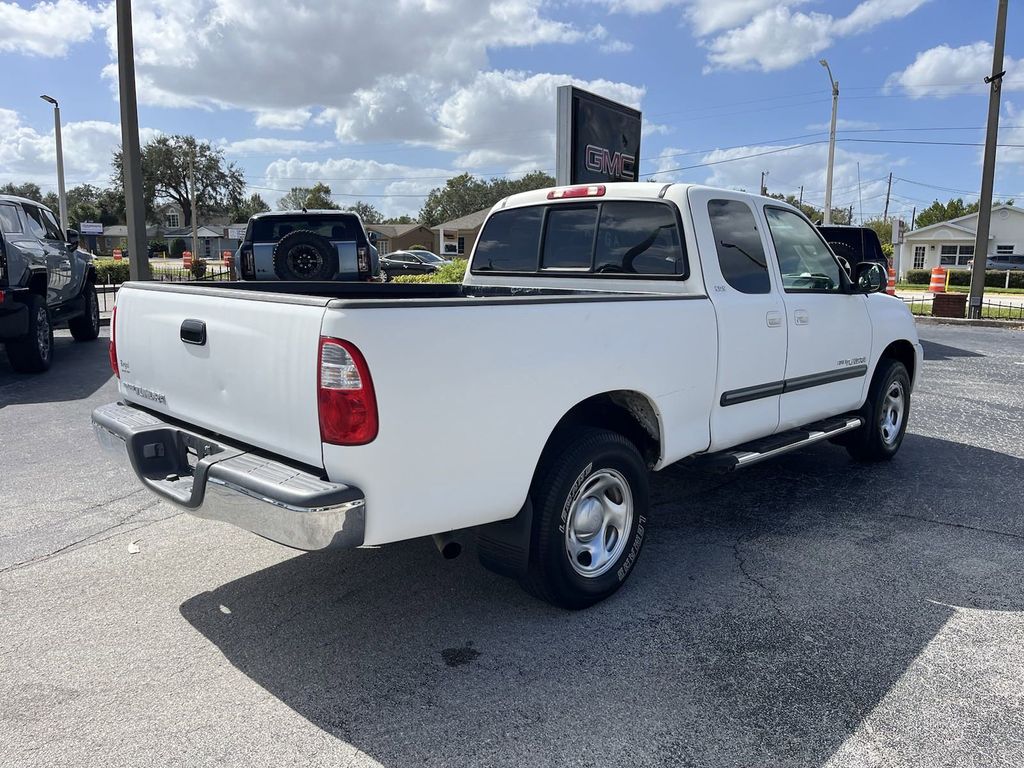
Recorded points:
(803, 612)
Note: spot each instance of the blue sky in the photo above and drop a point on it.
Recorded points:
(385, 100)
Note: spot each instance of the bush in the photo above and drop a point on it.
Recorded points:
(198, 268)
(111, 272)
(919, 276)
(449, 273)
(178, 247)
(994, 278)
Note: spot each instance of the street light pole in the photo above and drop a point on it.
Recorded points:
(131, 154)
(61, 195)
(831, 142)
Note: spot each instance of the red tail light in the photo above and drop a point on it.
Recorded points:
(113, 344)
(594, 190)
(348, 405)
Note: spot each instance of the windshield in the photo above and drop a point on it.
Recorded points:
(270, 229)
(429, 257)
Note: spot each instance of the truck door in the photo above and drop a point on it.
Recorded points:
(41, 253)
(829, 328)
(750, 313)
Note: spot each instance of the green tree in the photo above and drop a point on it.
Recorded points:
(316, 197)
(465, 194)
(248, 207)
(165, 176)
(953, 209)
(367, 212)
(28, 189)
(403, 219)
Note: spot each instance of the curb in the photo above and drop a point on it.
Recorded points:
(1013, 325)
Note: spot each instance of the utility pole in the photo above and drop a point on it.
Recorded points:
(62, 198)
(192, 200)
(860, 200)
(764, 189)
(131, 154)
(801, 196)
(913, 218)
(988, 168)
(831, 144)
(885, 216)
(850, 221)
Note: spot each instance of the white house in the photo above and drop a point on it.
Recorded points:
(951, 243)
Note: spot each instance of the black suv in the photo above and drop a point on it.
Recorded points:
(45, 280)
(854, 245)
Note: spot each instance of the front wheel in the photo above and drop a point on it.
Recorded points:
(87, 326)
(590, 500)
(885, 414)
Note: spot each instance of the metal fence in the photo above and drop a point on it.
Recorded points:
(107, 291)
(991, 309)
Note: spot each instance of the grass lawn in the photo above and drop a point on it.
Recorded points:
(962, 289)
(987, 313)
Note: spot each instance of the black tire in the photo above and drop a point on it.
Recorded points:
(881, 436)
(570, 475)
(305, 255)
(87, 327)
(34, 351)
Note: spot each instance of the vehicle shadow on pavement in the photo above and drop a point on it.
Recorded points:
(943, 352)
(78, 370)
(772, 611)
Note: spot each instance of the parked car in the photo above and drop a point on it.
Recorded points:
(1002, 261)
(854, 245)
(429, 256)
(307, 245)
(45, 281)
(409, 263)
(601, 331)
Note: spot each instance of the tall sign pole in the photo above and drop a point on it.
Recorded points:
(831, 144)
(131, 154)
(988, 168)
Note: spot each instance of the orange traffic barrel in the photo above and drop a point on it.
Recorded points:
(117, 254)
(186, 259)
(226, 258)
(891, 288)
(938, 283)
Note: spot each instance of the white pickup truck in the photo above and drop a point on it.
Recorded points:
(601, 332)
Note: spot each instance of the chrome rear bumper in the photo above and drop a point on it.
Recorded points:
(216, 481)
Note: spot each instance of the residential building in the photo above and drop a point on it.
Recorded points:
(950, 243)
(400, 237)
(459, 234)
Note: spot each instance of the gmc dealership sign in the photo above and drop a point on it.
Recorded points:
(597, 139)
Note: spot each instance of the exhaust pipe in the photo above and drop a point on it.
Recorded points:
(447, 545)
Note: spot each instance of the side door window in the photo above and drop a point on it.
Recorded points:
(10, 221)
(51, 226)
(806, 263)
(34, 220)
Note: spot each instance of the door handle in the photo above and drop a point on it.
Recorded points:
(801, 317)
(193, 332)
(774, 319)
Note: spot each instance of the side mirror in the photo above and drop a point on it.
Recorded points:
(869, 277)
(73, 239)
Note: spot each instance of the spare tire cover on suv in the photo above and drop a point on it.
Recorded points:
(305, 255)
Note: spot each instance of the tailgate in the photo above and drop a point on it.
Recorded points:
(254, 376)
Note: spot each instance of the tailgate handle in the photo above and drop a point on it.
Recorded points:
(193, 332)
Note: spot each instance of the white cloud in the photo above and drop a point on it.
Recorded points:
(767, 34)
(282, 119)
(27, 155)
(773, 40)
(46, 29)
(1012, 116)
(392, 188)
(943, 71)
(616, 46)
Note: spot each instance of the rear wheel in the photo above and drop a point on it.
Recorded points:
(33, 352)
(590, 499)
(885, 414)
(87, 326)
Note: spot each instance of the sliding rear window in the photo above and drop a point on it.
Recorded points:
(610, 239)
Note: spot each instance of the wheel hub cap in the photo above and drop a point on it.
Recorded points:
(893, 407)
(598, 524)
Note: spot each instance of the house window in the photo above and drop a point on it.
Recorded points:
(947, 255)
(965, 255)
(173, 220)
(918, 257)
(1004, 250)
(462, 245)
(383, 247)
(206, 247)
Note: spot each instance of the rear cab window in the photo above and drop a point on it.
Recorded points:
(738, 243)
(621, 238)
(10, 221)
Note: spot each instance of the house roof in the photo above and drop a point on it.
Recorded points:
(121, 230)
(202, 231)
(470, 221)
(967, 224)
(394, 230)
